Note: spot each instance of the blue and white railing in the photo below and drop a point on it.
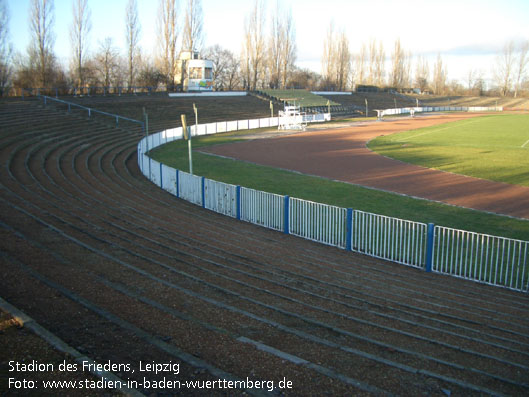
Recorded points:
(479, 257)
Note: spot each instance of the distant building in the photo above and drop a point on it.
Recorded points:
(193, 73)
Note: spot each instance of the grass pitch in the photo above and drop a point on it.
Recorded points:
(323, 190)
(493, 147)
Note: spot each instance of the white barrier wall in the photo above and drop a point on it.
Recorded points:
(389, 112)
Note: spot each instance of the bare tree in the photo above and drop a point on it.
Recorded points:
(360, 60)
(343, 61)
(375, 63)
(380, 60)
(471, 78)
(254, 45)
(372, 62)
(289, 48)
(41, 51)
(422, 74)
(6, 50)
(282, 47)
(193, 35)
(439, 76)
(505, 68)
(225, 67)
(107, 62)
(329, 56)
(275, 47)
(521, 69)
(132, 36)
(399, 77)
(79, 32)
(167, 38)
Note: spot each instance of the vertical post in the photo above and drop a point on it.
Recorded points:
(196, 119)
(187, 135)
(45, 100)
(238, 204)
(286, 220)
(367, 110)
(349, 230)
(271, 109)
(203, 192)
(177, 183)
(429, 247)
(150, 170)
(56, 93)
(161, 177)
(146, 117)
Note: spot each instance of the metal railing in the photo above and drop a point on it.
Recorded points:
(481, 257)
(89, 111)
(394, 239)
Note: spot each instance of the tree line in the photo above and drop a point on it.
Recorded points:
(267, 58)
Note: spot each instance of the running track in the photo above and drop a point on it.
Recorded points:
(341, 154)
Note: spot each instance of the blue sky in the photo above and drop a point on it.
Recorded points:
(467, 33)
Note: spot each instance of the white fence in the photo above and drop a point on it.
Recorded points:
(262, 208)
(318, 222)
(479, 257)
(389, 238)
(220, 197)
(190, 187)
(425, 109)
(488, 259)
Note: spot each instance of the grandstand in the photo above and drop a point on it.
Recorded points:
(375, 100)
(164, 112)
(125, 272)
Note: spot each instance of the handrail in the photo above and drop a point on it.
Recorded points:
(90, 110)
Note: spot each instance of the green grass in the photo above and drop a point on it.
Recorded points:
(330, 192)
(488, 147)
(303, 98)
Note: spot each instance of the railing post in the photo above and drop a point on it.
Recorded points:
(238, 204)
(349, 230)
(203, 192)
(161, 177)
(150, 169)
(177, 183)
(429, 247)
(286, 221)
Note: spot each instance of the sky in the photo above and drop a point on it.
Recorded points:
(468, 34)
